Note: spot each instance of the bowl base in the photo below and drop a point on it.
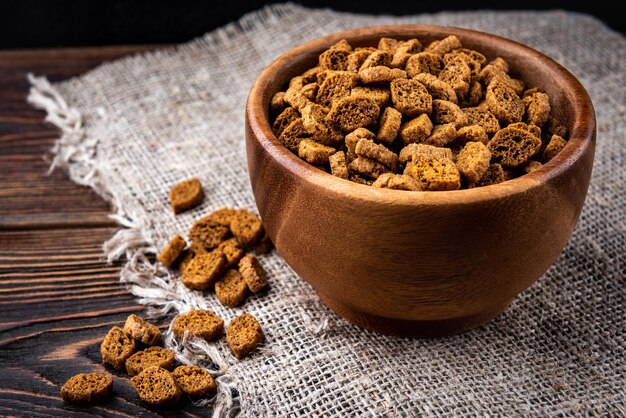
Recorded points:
(412, 328)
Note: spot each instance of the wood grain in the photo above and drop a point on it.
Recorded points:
(58, 297)
(29, 197)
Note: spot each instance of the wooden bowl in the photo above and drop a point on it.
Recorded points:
(420, 263)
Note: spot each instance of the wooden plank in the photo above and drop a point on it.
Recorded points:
(46, 276)
(33, 369)
(29, 197)
(58, 298)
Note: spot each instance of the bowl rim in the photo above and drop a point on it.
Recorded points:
(581, 134)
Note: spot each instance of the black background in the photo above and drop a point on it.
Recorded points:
(55, 23)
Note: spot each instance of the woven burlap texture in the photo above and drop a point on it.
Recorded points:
(134, 127)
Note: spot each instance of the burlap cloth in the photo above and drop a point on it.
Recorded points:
(134, 127)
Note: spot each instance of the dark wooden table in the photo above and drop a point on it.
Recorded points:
(58, 297)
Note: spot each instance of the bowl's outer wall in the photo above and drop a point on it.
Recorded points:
(420, 257)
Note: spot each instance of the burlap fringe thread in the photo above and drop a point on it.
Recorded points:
(150, 282)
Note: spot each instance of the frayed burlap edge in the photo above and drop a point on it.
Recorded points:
(143, 278)
(151, 283)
